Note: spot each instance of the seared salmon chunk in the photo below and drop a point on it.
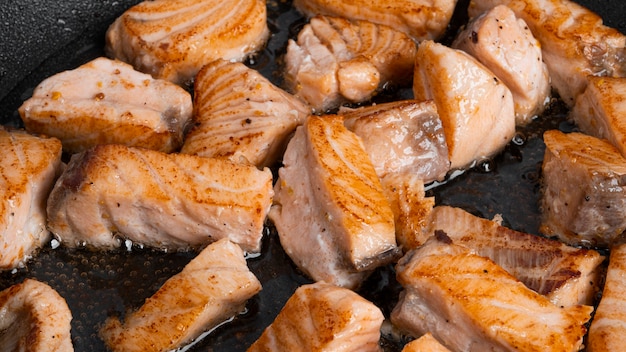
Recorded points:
(475, 107)
(504, 44)
(566, 275)
(599, 110)
(241, 115)
(172, 40)
(330, 210)
(210, 289)
(335, 60)
(29, 166)
(607, 331)
(574, 41)
(469, 303)
(583, 198)
(35, 318)
(323, 317)
(107, 102)
(113, 193)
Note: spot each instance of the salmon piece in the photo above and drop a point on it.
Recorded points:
(210, 289)
(402, 137)
(172, 40)
(470, 100)
(239, 114)
(29, 166)
(420, 19)
(323, 317)
(35, 318)
(335, 60)
(505, 45)
(332, 217)
(599, 110)
(426, 343)
(565, 275)
(107, 102)
(574, 41)
(471, 304)
(607, 332)
(167, 201)
(593, 212)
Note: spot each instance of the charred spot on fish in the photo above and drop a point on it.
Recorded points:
(98, 96)
(495, 79)
(587, 198)
(474, 37)
(442, 237)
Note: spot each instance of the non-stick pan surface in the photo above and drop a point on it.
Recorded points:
(39, 38)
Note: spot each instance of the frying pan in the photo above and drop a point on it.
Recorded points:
(42, 37)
